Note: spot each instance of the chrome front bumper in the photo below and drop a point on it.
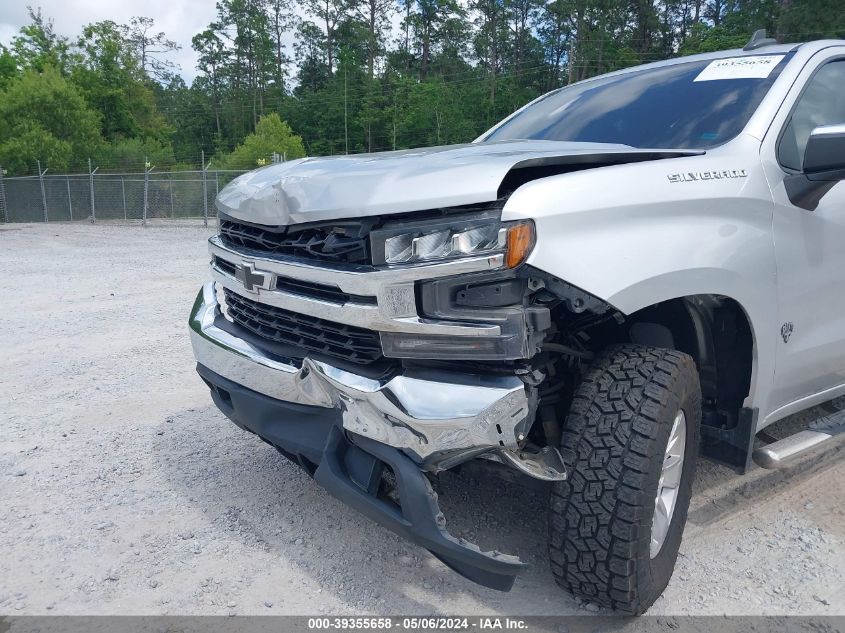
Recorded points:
(435, 417)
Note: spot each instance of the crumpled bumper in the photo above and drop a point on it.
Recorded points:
(437, 418)
(353, 472)
(348, 431)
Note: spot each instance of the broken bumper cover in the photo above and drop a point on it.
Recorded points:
(346, 429)
(434, 417)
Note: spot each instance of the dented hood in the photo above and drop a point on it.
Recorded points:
(312, 189)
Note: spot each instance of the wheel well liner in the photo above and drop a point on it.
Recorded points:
(716, 332)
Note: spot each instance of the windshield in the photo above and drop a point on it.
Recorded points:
(689, 105)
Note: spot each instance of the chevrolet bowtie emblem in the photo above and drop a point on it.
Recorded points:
(252, 279)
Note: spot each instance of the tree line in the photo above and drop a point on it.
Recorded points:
(339, 76)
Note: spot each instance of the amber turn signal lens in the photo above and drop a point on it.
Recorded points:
(520, 243)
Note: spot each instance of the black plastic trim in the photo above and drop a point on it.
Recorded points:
(470, 298)
(575, 299)
(300, 430)
(338, 340)
(731, 446)
(419, 518)
(350, 468)
(343, 241)
(806, 193)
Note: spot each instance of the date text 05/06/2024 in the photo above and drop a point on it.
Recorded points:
(418, 623)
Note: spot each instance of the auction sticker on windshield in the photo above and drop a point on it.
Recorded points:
(751, 67)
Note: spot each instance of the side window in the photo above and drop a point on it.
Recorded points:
(822, 103)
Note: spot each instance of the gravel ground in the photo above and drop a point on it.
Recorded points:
(124, 491)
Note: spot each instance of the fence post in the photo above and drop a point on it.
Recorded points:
(146, 186)
(43, 193)
(3, 198)
(172, 212)
(69, 200)
(216, 193)
(204, 189)
(123, 191)
(91, 185)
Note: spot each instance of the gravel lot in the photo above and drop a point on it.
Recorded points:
(124, 491)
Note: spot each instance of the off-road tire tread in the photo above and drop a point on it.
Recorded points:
(601, 514)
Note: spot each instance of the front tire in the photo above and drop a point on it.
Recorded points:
(631, 439)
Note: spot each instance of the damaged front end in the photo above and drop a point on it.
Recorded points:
(378, 354)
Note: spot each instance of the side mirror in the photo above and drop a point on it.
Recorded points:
(824, 156)
(824, 167)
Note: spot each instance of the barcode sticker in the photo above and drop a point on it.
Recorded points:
(751, 67)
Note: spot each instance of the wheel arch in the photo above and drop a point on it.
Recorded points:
(718, 332)
(714, 329)
(754, 302)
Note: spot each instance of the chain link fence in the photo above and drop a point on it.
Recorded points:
(94, 196)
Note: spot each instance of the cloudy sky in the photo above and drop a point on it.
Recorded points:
(179, 19)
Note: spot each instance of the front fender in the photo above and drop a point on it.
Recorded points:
(632, 237)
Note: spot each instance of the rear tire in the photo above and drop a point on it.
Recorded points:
(615, 440)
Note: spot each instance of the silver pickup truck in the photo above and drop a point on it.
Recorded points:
(623, 275)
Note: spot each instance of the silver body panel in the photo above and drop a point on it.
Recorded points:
(312, 189)
(810, 253)
(628, 234)
(670, 240)
(737, 237)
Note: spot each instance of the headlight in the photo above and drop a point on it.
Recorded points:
(450, 238)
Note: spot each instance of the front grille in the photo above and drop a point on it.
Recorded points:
(337, 241)
(353, 344)
(302, 288)
(319, 291)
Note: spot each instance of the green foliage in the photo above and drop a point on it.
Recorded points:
(369, 75)
(705, 39)
(191, 117)
(112, 81)
(149, 48)
(44, 117)
(272, 135)
(30, 142)
(8, 67)
(183, 167)
(38, 46)
(816, 19)
(131, 154)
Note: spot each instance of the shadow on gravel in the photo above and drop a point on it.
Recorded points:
(759, 485)
(726, 492)
(265, 509)
(252, 495)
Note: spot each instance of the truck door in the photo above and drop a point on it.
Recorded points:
(809, 245)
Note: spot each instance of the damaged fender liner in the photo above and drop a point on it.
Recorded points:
(313, 437)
